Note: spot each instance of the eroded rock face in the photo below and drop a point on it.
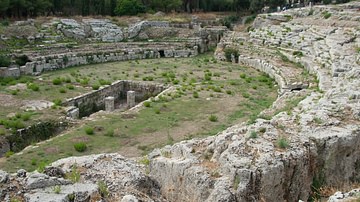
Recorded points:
(121, 176)
(322, 132)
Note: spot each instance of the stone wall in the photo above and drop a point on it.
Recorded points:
(53, 62)
(94, 101)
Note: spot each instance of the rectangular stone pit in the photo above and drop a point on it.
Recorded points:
(130, 92)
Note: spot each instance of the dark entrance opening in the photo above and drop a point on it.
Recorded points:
(162, 53)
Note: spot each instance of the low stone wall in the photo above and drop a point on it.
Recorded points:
(94, 101)
(32, 134)
(60, 61)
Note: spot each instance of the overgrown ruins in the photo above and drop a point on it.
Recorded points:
(322, 132)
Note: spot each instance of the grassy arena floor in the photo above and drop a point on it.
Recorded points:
(209, 96)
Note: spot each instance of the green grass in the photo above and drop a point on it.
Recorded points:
(187, 107)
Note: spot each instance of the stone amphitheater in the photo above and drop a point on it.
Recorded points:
(322, 130)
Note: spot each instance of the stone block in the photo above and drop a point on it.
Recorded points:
(109, 104)
(131, 99)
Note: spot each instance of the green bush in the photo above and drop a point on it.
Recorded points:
(129, 7)
(4, 61)
(14, 92)
(57, 189)
(311, 12)
(103, 190)
(250, 19)
(229, 52)
(4, 22)
(175, 82)
(229, 20)
(89, 130)
(22, 60)
(62, 90)
(253, 135)
(80, 146)
(41, 167)
(109, 133)
(195, 94)
(283, 143)
(157, 111)
(104, 82)
(9, 153)
(74, 175)
(2, 131)
(213, 118)
(95, 87)
(147, 104)
(57, 102)
(326, 14)
(25, 116)
(33, 86)
(57, 81)
(70, 87)
(246, 95)
(298, 53)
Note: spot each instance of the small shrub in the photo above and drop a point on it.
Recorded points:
(22, 60)
(213, 118)
(311, 12)
(242, 75)
(14, 92)
(74, 175)
(253, 135)
(9, 153)
(326, 14)
(246, 95)
(84, 82)
(147, 104)
(195, 94)
(70, 87)
(57, 189)
(298, 53)
(26, 116)
(283, 143)
(95, 87)
(4, 61)
(33, 87)
(62, 90)
(41, 167)
(109, 133)
(229, 92)
(80, 146)
(262, 130)
(157, 111)
(57, 102)
(104, 82)
(103, 190)
(2, 132)
(229, 52)
(89, 130)
(175, 82)
(57, 81)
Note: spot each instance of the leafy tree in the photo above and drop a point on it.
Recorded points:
(256, 6)
(129, 7)
(166, 5)
(273, 4)
(4, 5)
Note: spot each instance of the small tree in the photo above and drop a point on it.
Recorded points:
(129, 7)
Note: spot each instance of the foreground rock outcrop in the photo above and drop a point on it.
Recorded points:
(290, 156)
